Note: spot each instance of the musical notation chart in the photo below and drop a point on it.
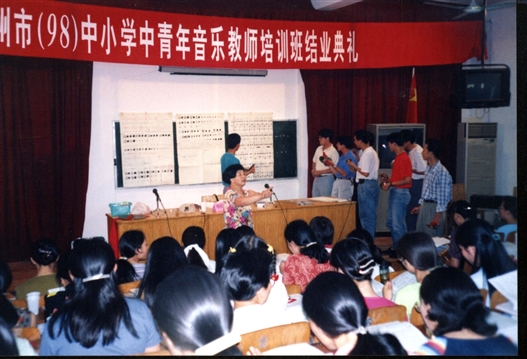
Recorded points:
(147, 149)
(200, 145)
(256, 131)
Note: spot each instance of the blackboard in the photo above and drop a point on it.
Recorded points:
(284, 148)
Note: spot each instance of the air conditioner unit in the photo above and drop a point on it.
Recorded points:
(328, 5)
(176, 70)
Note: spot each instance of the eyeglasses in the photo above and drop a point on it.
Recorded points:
(417, 307)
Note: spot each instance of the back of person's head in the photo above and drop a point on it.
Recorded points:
(490, 253)
(226, 239)
(193, 235)
(395, 137)
(326, 133)
(233, 140)
(365, 236)
(6, 277)
(364, 136)
(44, 251)
(245, 272)
(408, 135)
(230, 172)
(299, 232)
(245, 231)
(7, 340)
(323, 229)
(334, 303)
(353, 258)
(125, 272)
(418, 249)
(63, 268)
(164, 257)
(7, 311)
(345, 141)
(434, 146)
(509, 203)
(455, 302)
(192, 308)
(131, 241)
(463, 208)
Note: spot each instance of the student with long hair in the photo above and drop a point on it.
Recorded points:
(337, 316)
(98, 320)
(191, 318)
(164, 257)
(226, 239)
(324, 230)
(458, 212)
(44, 255)
(366, 238)
(193, 239)
(134, 248)
(484, 253)
(453, 310)
(308, 256)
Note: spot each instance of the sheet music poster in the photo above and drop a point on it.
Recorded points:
(147, 149)
(256, 131)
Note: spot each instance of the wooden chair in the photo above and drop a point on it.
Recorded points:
(511, 237)
(162, 352)
(293, 289)
(458, 192)
(396, 313)
(30, 333)
(22, 303)
(496, 299)
(126, 288)
(270, 338)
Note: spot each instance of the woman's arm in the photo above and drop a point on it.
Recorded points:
(253, 197)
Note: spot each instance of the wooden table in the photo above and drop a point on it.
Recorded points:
(269, 222)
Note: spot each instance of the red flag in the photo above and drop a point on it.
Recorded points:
(411, 112)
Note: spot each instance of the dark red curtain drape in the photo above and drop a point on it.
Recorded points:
(45, 108)
(349, 100)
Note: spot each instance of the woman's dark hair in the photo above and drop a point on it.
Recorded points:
(463, 208)
(226, 239)
(125, 272)
(193, 235)
(6, 277)
(164, 257)
(249, 242)
(455, 302)
(302, 235)
(191, 306)
(44, 251)
(7, 310)
(418, 249)
(63, 267)
(245, 272)
(7, 340)
(333, 301)
(354, 258)
(195, 259)
(245, 231)
(97, 307)
(365, 236)
(230, 172)
(323, 229)
(131, 241)
(490, 253)
(345, 141)
(510, 204)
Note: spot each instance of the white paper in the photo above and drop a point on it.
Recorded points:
(328, 199)
(401, 281)
(507, 284)
(439, 241)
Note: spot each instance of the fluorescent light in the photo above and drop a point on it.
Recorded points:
(176, 70)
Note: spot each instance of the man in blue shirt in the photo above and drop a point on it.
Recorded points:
(229, 158)
(343, 185)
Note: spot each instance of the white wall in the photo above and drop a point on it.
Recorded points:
(501, 35)
(133, 88)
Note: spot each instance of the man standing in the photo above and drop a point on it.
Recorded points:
(366, 177)
(415, 152)
(229, 158)
(323, 177)
(436, 194)
(399, 185)
(345, 177)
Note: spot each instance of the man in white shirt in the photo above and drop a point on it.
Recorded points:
(323, 177)
(418, 173)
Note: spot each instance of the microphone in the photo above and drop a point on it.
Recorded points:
(267, 187)
(322, 159)
(157, 194)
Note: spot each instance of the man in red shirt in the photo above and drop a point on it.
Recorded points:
(399, 185)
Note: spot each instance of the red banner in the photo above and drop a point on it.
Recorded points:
(94, 33)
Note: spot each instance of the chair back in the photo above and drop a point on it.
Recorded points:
(395, 313)
(22, 303)
(511, 237)
(30, 333)
(270, 338)
(293, 289)
(126, 288)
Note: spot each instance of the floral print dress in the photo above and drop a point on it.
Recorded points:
(236, 216)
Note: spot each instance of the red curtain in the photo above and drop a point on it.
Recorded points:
(45, 108)
(349, 100)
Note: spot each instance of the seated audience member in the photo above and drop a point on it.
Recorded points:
(190, 319)
(193, 239)
(366, 238)
(324, 230)
(247, 277)
(98, 320)
(7, 340)
(245, 231)
(337, 316)
(124, 272)
(308, 258)
(56, 297)
(458, 212)
(226, 239)
(134, 248)
(164, 257)
(508, 213)
(353, 258)
(487, 256)
(418, 254)
(44, 254)
(453, 310)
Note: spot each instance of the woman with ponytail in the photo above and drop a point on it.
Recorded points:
(98, 320)
(453, 310)
(309, 257)
(337, 316)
